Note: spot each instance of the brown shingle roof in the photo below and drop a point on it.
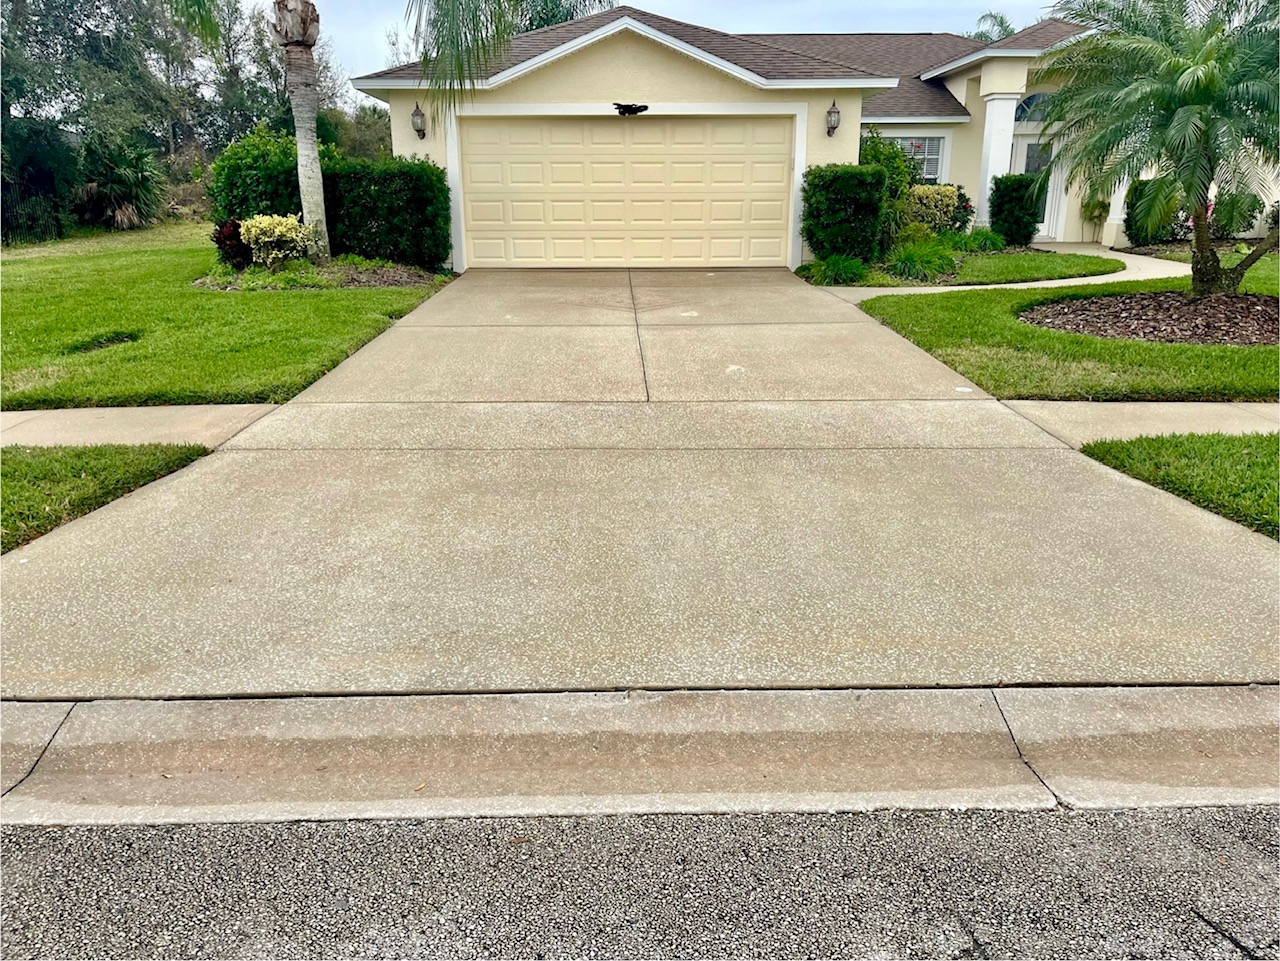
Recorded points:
(905, 55)
(802, 56)
(1040, 36)
(758, 56)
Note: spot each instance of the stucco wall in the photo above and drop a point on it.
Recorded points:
(629, 68)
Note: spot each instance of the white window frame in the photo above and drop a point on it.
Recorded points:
(798, 112)
(923, 133)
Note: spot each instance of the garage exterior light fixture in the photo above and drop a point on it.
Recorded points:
(419, 120)
(833, 119)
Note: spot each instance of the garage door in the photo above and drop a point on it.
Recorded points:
(634, 191)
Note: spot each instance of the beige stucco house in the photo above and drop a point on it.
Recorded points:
(544, 171)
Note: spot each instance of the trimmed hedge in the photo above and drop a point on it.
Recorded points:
(844, 210)
(391, 209)
(1015, 208)
(1171, 221)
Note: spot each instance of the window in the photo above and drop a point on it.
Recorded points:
(1032, 109)
(926, 151)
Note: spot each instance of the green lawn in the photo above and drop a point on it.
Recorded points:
(42, 487)
(113, 320)
(1262, 278)
(1236, 477)
(1022, 267)
(1005, 268)
(978, 334)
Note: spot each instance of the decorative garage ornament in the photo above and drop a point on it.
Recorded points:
(419, 120)
(833, 119)
(631, 109)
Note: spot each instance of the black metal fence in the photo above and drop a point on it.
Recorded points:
(28, 218)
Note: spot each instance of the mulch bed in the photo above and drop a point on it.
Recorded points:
(1171, 318)
(394, 276)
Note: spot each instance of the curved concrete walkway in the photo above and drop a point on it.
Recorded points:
(1136, 267)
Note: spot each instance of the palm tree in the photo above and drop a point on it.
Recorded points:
(992, 26)
(1183, 89)
(296, 27)
(461, 39)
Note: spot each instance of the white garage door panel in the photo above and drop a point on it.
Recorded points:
(644, 191)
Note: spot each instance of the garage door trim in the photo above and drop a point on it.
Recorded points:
(798, 112)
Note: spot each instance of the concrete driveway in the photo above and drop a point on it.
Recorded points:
(482, 500)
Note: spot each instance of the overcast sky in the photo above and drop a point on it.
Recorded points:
(358, 27)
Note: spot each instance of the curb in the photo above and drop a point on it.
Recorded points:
(502, 755)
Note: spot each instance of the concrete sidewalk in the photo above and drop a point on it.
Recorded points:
(1079, 422)
(633, 752)
(207, 424)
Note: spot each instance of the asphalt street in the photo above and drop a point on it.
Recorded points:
(1169, 883)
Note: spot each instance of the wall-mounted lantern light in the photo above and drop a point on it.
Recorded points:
(419, 120)
(833, 119)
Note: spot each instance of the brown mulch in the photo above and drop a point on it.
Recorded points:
(1171, 318)
(393, 276)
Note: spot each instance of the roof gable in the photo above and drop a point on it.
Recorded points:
(748, 59)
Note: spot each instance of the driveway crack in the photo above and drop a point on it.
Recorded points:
(635, 313)
(1018, 747)
(36, 763)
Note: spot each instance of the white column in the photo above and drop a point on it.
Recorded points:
(997, 148)
(1113, 229)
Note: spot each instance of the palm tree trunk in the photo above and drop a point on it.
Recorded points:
(297, 28)
(1206, 269)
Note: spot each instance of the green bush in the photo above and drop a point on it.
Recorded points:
(933, 205)
(834, 271)
(843, 210)
(1168, 222)
(914, 233)
(926, 261)
(1233, 214)
(276, 240)
(1015, 208)
(123, 186)
(985, 239)
(391, 209)
(901, 172)
(258, 174)
(962, 216)
(981, 239)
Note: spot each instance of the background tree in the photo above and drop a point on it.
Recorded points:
(461, 39)
(1187, 91)
(992, 26)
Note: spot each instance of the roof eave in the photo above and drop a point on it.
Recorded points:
(914, 120)
(977, 57)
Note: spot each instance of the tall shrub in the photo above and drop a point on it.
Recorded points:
(1015, 208)
(902, 174)
(393, 209)
(843, 210)
(258, 174)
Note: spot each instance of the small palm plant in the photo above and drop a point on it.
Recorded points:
(1182, 89)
